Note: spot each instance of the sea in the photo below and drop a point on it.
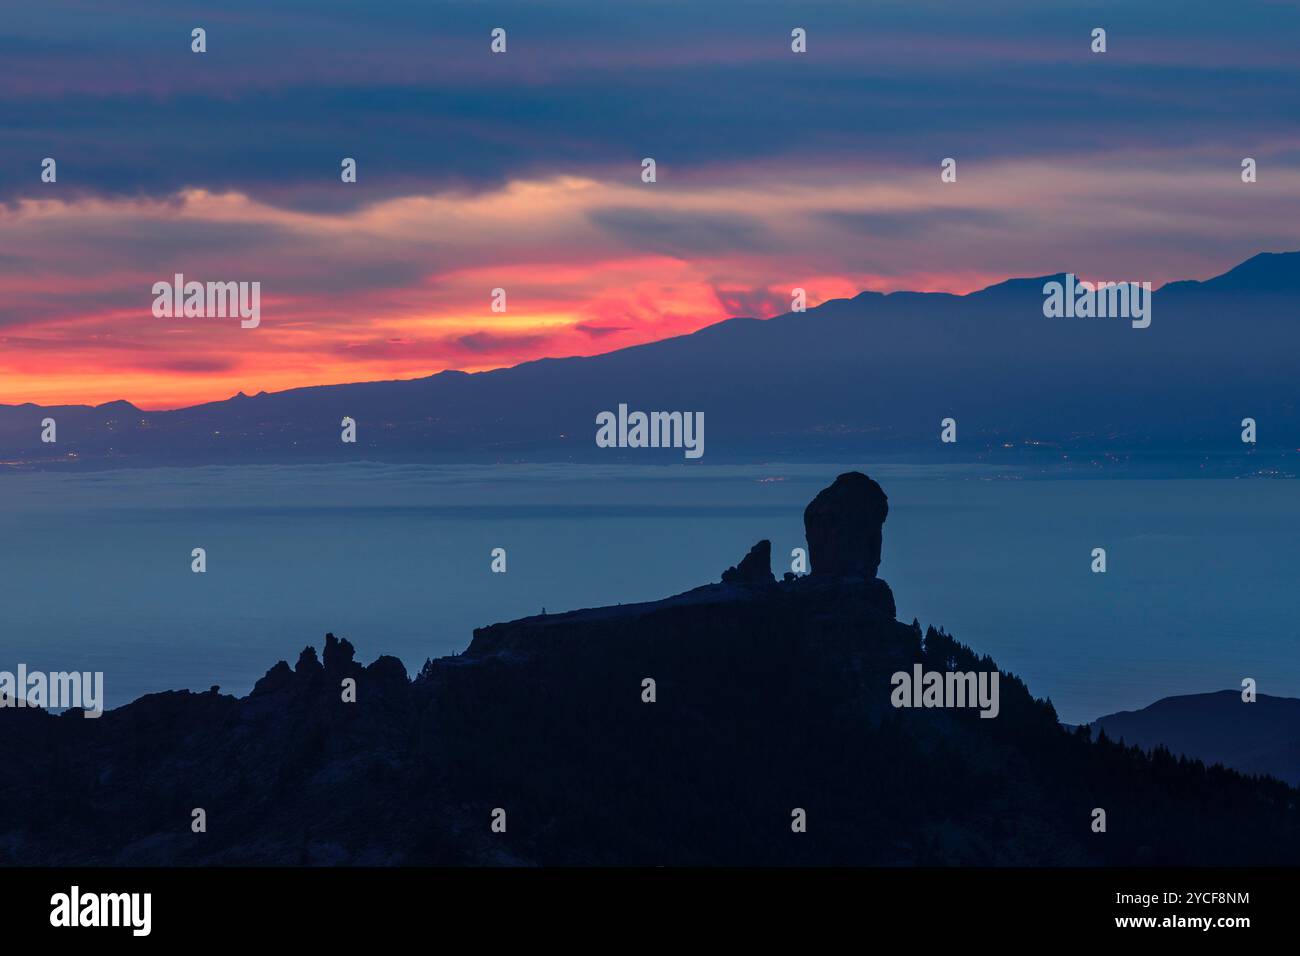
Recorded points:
(1200, 587)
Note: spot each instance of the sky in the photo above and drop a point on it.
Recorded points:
(522, 171)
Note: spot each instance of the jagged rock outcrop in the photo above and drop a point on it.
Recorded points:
(754, 568)
(338, 654)
(843, 527)
(277, 678)
(308, 662)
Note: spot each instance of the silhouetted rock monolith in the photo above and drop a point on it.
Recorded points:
(843, 526)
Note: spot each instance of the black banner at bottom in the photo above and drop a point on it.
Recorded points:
(329, 906)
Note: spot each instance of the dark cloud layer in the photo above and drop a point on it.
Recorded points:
(411, 90)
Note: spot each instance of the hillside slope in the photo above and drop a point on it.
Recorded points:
(769, 697)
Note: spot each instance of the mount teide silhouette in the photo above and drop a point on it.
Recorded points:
(770, 696)
(870, 375)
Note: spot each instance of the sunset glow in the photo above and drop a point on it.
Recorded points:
(522, 173)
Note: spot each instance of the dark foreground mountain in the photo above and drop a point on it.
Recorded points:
(769, 698)
(1262, 737)
(849, 379)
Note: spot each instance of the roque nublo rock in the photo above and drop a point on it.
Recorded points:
(843, 527)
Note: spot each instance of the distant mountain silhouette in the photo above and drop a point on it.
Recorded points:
(769, 697)
(870, 375)
(1262, 737)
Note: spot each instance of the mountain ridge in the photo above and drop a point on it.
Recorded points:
(1262, 737)
(850, 378)
(1012, 282)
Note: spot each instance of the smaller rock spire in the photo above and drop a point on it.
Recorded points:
(754, 568)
